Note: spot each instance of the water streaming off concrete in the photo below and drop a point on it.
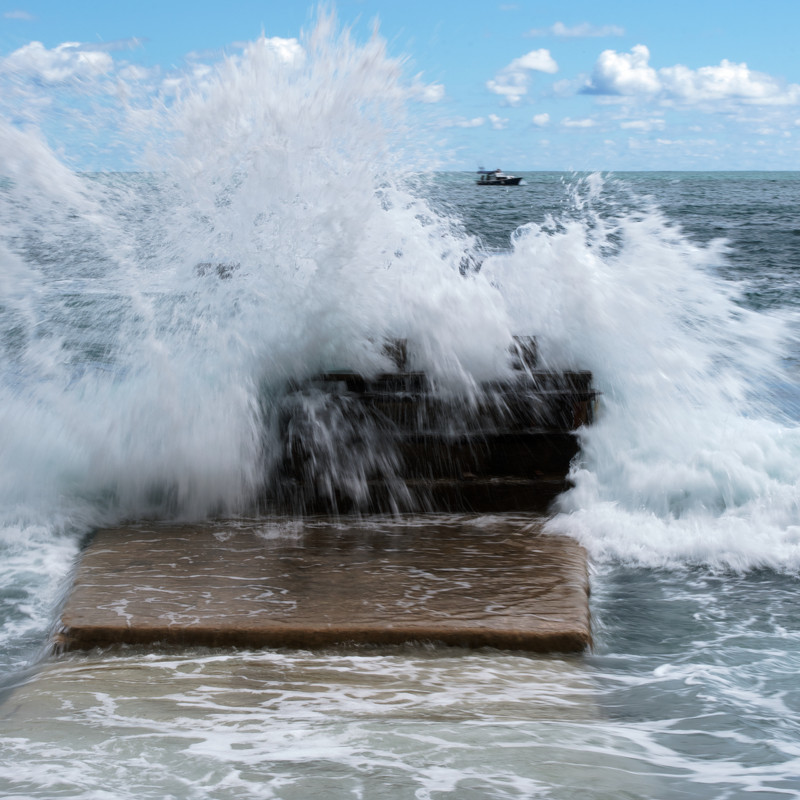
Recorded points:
(396, 722)
(471, 581)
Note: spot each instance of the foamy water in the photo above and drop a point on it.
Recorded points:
(150, 325)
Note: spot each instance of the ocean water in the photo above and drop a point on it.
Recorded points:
(151, 321)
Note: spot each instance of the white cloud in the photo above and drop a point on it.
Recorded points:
(583, 30)
(727, 81)
(630, 75)
(65, 63)
(427, 92)
(643, 125)
(624, 73)
(498, 123)
(540, 60)
(136, 73)
(684, 142)
(19, 14)
(289, 51)
(462, 122)
(541, 120)
(578, 123)
(512, 81)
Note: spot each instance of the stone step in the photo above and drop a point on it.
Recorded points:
(489, 495)
(389, 442)
(465, 494)
(557, 401)
(550, 410)
(314, 582)
(528, 454)
(525, 454)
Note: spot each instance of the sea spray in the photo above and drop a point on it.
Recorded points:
(144, 348)
(154, 321)
(274, 235)
(689, 460)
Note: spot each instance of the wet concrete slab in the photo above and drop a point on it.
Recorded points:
(466, 581)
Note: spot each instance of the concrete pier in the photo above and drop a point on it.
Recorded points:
(467, 581)
(353, 445)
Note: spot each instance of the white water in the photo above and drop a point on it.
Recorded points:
(149, 320)
(150, 323)
(690, 460)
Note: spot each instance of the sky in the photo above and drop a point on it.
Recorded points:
(540, 85)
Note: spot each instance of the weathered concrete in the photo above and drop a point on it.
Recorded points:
(351, 443)
(312, 582)
(402, 446)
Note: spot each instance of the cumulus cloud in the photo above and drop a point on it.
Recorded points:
(583, 30)
(511, 82)
(541, 120)
(427, 92)
(624, 73)
(289, 51)
(498, 123)
(66, 63)
(630, 75)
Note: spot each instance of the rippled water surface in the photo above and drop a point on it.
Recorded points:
(150, 325)
(691, 691)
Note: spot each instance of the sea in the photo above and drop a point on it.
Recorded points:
(151, 322)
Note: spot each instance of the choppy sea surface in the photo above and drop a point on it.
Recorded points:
(149, 324)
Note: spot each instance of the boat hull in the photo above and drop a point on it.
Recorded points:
(500, 182)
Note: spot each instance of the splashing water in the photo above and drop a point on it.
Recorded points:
(152, 321)
(272, 240)
(690, 460)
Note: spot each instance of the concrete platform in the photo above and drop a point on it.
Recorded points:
(467, 581)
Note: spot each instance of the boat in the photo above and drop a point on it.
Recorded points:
(496, 177)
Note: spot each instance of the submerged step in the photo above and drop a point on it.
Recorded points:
(468, 493)
(521, 453)
(308, 583)
(489, 495)
(350, 443)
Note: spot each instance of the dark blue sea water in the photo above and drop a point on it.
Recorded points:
(149, 324)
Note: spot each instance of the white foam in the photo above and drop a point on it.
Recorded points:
(688, 460)
(157, 318)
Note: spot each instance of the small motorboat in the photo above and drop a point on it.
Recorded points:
(496, 177)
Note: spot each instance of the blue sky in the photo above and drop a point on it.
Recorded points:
(522, 85)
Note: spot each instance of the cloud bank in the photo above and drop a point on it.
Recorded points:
(630, 75)
(65, 63)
